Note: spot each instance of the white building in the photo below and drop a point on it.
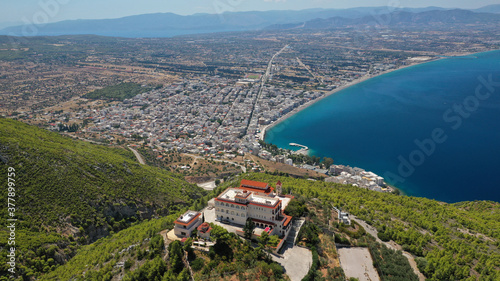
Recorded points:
(257, 201)
(186, 223)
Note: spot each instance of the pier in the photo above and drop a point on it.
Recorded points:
(303, 149)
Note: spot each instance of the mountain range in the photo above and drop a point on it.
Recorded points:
(403, 19)
(169, 24)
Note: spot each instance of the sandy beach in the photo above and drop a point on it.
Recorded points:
(264, 129)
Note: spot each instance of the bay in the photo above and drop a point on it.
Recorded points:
(432, 130)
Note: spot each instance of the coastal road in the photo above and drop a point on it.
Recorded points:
(138, 156)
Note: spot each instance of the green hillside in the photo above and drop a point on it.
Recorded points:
(142, 249)
(138, 249)
(450, 241)
(71, 192)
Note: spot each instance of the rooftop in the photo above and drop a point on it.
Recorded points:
(254, 184)
(188, 217)
(231, 193)
(204, 228)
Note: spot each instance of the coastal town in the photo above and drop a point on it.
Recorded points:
(225, 146)
(213, 108)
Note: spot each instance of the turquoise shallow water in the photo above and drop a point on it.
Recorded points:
(432, 130)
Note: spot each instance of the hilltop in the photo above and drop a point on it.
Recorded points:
(70, 192)
(445, 241)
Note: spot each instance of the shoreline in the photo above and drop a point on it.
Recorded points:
(264, 129)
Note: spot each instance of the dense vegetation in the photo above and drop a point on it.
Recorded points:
(321, 233)
(137, 254)
(70, 193)
(232, 256)
(391, 265)
(134, 246)
(451, 241)
(118, 92)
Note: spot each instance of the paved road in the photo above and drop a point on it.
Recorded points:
(208, 185)
(138, 156)
(262, 83)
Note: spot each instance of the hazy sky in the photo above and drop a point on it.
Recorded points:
(18, 11)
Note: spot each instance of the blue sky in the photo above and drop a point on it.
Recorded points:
(18, 11)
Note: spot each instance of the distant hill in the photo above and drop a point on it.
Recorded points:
(489, 9)
(168, 24)
(401, 19)
(70, 191)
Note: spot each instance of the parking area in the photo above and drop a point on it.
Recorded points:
(357, 263)
(296, 261)
(210, 217)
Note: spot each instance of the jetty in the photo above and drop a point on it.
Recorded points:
(303, 149)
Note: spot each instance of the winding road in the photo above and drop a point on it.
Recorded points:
(138, 156)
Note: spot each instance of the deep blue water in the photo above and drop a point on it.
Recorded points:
(441, 105)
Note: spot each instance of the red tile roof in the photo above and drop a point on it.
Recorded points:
(266, 191)
(287, 220)
(254, 184)
(204, 228)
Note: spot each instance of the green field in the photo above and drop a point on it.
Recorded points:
(117, 92)
(253, 76)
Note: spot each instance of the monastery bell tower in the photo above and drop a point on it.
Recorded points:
(279, 190)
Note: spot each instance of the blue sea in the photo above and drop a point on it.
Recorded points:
(432, 130)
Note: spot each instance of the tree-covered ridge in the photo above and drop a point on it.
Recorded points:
(451, 241)
(74, 192)
(69, 181)
(117, 92)
(449, 253)
(99, 259)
